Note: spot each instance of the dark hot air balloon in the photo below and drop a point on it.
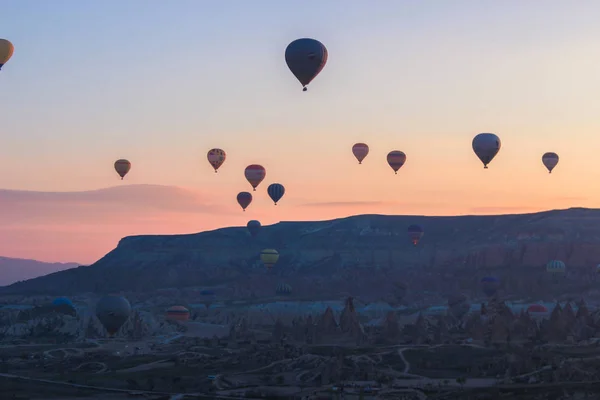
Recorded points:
(415, 233)
(255, 174)
(216, 158)
(486, 146)
(396, 160)
(112, 311)
(490, 285)
(122, 167)
(360, 151)
(253, 227)
(550, 160)
(276, 192)
(244, 199)
(306, 58)
(537, 308)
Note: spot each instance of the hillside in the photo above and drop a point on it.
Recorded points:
(362, 255)
(17, 269)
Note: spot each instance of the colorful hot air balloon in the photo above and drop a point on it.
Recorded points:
(276, 192)
(396, 160)
(122, 167)
(556, 267)
(490, 285)
(253, 227)
(112, 311)
(178, 313)
(550, 160)
(305, 58)
(486, 146)
(537, 308)
(360, 151)
(216, 158)
(244, 199)
(255, 174)
(415, 233)
(6, 51)
(283, 289)
(269, 257)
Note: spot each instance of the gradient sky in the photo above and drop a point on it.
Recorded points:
(160, 83)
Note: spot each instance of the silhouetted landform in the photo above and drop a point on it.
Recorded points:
(364, 256)
(18, 269)
(479, 355)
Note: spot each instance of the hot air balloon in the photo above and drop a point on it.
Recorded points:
(283, 289)
(244, 199)
(360, 151)
(112, 311)
(276, 192)
(305, 58)
(178, 313)
(6, 51)
(269, 257)
(255, 174)
(253, 227)
(208, 297)
(486, 146)
(490, 285)
(537, 308)
(556, 267)
(415, 233)
(59, 301)
(122, 167)
(396, 160)
(216, 158)
(550, 160)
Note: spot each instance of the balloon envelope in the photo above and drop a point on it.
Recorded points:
(556, 267)
(62, 301)
(276, 192)
(550, 160)
(269, 257)
(253, 227)
(415, 233)
(360, 151)
(396, 159)
(537, 308)
(216, 158)
(306, 58)
(122, 167)
(283, 289)
(113, 311)
(244, 199)
(178, 313)
(486, 146)
(255, 174)
(6, 51)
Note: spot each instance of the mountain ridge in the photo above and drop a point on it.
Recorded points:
(356, 254)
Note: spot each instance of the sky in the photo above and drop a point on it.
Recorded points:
(160, 83)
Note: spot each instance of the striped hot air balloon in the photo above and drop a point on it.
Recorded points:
(269, 257)
(178, 313)
(276, 192)
(550, 160)
(396, 160)
(360, 151)
(255, 174)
